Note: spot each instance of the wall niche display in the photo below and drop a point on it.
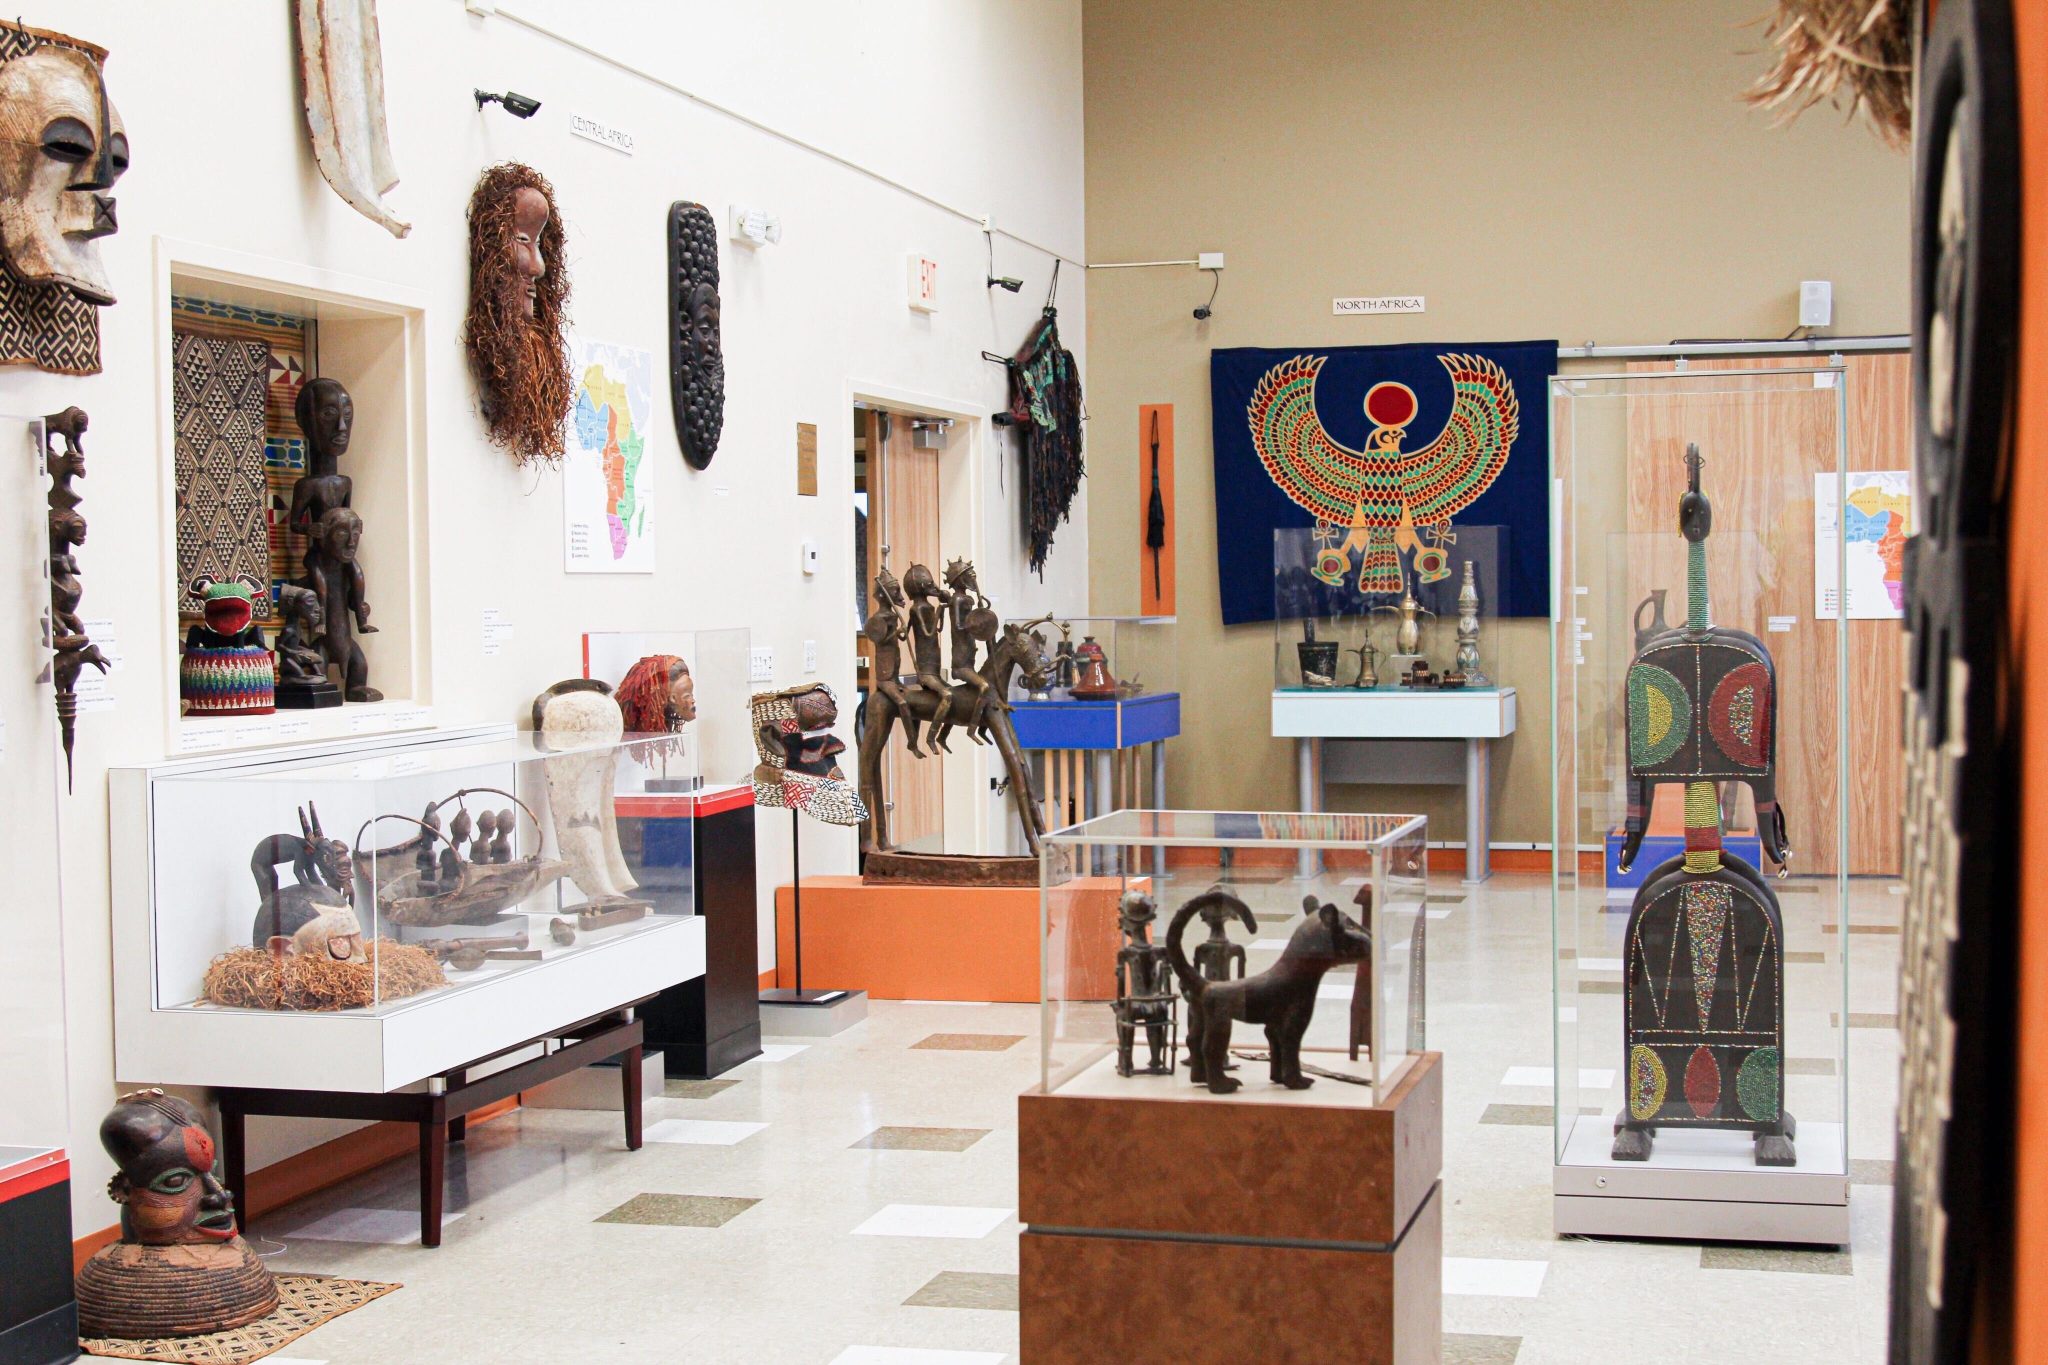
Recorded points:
(62, 146)
(516, 334)
(696, 353)
(341, 66)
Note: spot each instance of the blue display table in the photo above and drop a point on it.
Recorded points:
(1109, 733)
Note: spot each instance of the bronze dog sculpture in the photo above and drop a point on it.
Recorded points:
(1283, 997)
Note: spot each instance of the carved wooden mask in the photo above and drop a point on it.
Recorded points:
(696, 355)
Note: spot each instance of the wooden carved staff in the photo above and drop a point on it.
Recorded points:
(71, 649)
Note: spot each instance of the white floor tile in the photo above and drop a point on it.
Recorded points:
(780, 1052)
(960, 1004)
(1335, 990)
(1273, 945)
(933, 1220)
(702, 1132)
(1589, 1078)
(386, 1227)
(1599, 964)
(914, 1355)
(1440, 914)
(1497, 1279)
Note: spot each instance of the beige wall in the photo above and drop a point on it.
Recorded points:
(1581, 171)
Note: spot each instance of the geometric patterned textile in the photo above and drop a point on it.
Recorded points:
(217, 405)
(44, 325)
(303, 1303)
(289, 340)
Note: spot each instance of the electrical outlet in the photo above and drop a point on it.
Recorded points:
(761, 664)
(810, 656)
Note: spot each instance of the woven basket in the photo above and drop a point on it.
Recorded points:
(135, 1291)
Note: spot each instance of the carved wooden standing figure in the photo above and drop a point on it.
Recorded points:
(1703, 1009)
(70, 647)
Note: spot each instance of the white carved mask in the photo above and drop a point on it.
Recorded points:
(62, 146)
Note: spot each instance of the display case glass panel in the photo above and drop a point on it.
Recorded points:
(1353, 965)
(713, 749)
(366, 883)
(32, 1039)
(1703, 746)
(1137, 658)
(1334, 628)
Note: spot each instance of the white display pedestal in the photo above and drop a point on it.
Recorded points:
(1312, 717)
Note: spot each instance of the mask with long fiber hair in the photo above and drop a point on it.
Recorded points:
(516, 334)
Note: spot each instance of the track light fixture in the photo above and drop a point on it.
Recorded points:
(517, 105)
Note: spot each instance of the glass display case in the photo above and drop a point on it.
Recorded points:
(1138, 904)
(357, 918)
(1339, 626)
(691, 684)
(1702, 748)
(1110, 688)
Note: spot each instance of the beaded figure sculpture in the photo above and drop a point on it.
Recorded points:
(226, 669)
(1703, 1009)
(1702, 702)
(799, 766)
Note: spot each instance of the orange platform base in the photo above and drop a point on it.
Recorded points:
(900, 942)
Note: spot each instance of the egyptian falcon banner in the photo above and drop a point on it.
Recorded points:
(1384, 451)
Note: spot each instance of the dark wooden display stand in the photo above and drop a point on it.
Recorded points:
(1269, 1231)
(442, 1115)
(38, 1316)
(712, 1023)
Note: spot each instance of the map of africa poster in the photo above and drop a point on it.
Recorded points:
(607, 479)
(1874, 528)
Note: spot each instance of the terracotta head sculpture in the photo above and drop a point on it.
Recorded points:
(516, 334)
(62, 146)
(168, 1188)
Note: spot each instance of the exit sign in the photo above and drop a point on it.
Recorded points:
(924, 283)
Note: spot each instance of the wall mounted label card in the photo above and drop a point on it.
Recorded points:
(95, 690)
(1876, 524)
(294, 727)
(497, 629)
(607, 480)
(1389, 303)
(602, 133)
(1779, 625)
(807, 459)
(196, 737)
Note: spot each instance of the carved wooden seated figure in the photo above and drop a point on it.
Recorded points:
(179, 1268)
(1145, 997)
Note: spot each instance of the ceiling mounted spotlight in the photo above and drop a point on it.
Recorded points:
(517, 105)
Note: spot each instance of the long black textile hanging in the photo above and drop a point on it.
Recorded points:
(1045, 405)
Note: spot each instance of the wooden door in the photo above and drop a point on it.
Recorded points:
(1762, 453)
(903, 523)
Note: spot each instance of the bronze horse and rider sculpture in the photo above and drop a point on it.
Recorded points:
(975, 702)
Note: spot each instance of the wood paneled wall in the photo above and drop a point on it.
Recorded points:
(1761, 452)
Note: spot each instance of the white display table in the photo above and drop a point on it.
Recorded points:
(1478, 716)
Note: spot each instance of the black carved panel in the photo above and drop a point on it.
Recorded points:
(696, 354)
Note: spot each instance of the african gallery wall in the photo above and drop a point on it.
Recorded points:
(1604, 183)
(873, 135)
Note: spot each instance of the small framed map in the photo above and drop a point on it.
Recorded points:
(607, 480)
(1875, 524)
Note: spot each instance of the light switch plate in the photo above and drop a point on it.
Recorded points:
(810, 656)
(761, 664)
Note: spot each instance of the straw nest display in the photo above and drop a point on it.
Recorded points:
(251, 978)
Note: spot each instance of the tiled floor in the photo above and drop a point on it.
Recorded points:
(850, 1201)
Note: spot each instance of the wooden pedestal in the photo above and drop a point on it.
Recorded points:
(38, 1317)
(1223, 1228)
(712, 1023)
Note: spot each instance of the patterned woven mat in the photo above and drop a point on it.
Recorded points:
(303, 1303)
